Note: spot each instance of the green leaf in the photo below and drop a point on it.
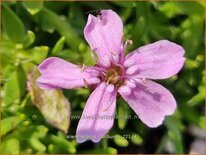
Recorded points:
(125, 4)
(108, 150)
(123, 111)
(15, 87)
(63, 143)
(39, 53)
(61, 25)
(138, 31)
(12, 25)
(10, 123)
(191, 64)
(33, 7)
(121, 141)
(198, 98)
(202, 122)
(170, 9)
(136, 139)
(36, 54)
(37, 145)
(30, 38)
(37, 131)
(10, 146)
(58, 46)
(191, 8)
(162, 144)
(175, 134)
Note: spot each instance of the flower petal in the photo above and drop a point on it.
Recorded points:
(98, 115)
(104, 34)
(58, 73)
(158, 60)
(150, 101)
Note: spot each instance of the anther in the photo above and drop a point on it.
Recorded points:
(130, 42)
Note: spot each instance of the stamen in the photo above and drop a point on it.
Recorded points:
(113, 76)
(128, 42)
(85, 83)
(93, 54)
(83, 67)
(122, 56)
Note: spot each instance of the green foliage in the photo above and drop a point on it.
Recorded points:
(35, 30)
(33, 7)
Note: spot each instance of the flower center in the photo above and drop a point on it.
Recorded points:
(114, 76)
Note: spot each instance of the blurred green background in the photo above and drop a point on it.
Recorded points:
(37, 121)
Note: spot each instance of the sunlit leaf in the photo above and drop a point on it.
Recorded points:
(136, 139)
(62, 143)
(14, 88)
(121, 141)
(10, 123)
(10, 146)
(30, 38)
(33, 7)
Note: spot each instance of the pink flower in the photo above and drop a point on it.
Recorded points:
(116, 73)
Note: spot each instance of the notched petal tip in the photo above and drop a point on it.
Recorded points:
(98, 32)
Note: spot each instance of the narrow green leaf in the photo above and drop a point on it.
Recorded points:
(198, 98)
(10, 146)
(61, 25)
(10, 123)
(121, 141)
(33, 7)
(59, 45)
(175, 134)
(123, 112)
(128, 4)
(191, 64)
(30, 38)
(36, 54)
(12, 25)
(108, 150)
(15, 87)
(39, 53)
(136, 139)
(61, 142)
(37, 131)
(37, 145)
